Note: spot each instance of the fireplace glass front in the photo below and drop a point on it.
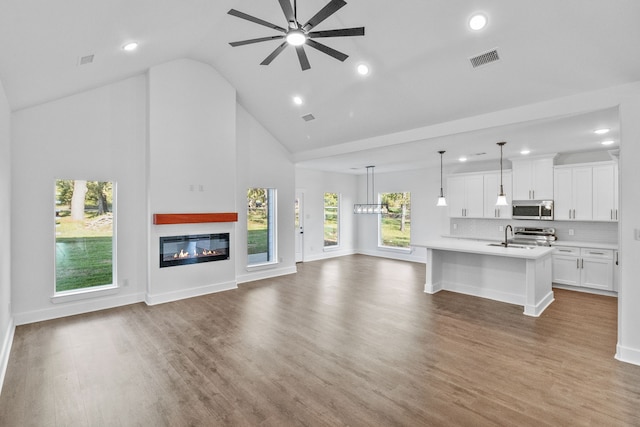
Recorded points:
(192, 249)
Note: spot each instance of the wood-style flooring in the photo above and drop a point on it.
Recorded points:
(347, 341)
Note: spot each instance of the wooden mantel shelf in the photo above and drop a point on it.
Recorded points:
(194, 218)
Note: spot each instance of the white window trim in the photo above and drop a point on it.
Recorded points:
(382, 247)
(84, 293)
(273, 232)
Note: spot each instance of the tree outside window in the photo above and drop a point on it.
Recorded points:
(331, 219)
(395, 226)
(84, 221)
(261, 220)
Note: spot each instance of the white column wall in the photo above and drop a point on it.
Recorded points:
(191, 169)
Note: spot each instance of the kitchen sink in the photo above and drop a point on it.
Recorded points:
(512, 246)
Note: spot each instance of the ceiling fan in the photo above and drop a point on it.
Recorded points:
(298, 35)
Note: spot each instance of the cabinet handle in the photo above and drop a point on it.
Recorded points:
(564, 250)
(617, 258)
(533, 194)
(616, 213)
(582, 263)
(611, 214)
(569, 213)
(596, 253)
(577, 262)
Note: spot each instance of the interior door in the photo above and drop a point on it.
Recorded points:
(299, 226)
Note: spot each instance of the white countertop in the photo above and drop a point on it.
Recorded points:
(483, 248)
(574, 244)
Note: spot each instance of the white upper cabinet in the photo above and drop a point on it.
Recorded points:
(491, 190)
(573, 193)
(465, 196)
(605, 192)
(586, 192)
(533, 178)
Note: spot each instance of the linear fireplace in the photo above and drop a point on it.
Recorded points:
(192, 249)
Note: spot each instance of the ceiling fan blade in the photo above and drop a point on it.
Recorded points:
(261, 39)
(326, 49)
(344, 32)
(324, 13)
(243, 15)
(288, 10)
(302, 56)
(275, 53)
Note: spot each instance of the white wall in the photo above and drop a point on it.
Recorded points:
(629, 290)
(262, 162)
(6, 319)
(192, 163)
(427, 220)
(313, 184)
(96, 135)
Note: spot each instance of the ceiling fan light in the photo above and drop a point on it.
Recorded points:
(296, 38)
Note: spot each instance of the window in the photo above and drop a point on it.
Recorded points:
(261, 225)
(395, 226)
(85, 239)
(331, 219)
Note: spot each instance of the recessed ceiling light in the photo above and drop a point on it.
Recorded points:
(525, 152)
(462, 159)
(477, 22)
(129, 47)
(297, 100)
(601, 131)
(363, 69)
(607, 142)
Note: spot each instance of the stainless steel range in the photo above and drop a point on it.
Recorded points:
(539, 236)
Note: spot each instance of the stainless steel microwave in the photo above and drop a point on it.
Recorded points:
(532, 209)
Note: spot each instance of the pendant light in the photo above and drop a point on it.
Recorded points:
(441, 200)
(502, 199)
(370, 208)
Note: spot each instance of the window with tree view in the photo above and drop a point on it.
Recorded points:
(395, 226)
(331, 219)
(261, 230)
(84, 221)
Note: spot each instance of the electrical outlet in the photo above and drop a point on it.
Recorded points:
(501, 228)
(571, 232)
(455, 226)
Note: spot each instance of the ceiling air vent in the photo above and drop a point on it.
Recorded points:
(485, 58)
(84, 60)
(308, 117)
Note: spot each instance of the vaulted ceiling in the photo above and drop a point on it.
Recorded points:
(418, 52)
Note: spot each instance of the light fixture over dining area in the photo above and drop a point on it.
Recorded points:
(370, 207)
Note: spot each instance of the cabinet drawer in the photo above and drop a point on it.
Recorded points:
(566, 250)
(596, 253)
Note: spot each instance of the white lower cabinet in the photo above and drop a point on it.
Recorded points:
(585, 267)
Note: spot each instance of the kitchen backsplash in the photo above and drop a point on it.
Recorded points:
(595, 232)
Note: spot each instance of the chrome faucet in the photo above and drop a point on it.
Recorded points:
(506, 243)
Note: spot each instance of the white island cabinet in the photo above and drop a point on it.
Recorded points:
(515, 275)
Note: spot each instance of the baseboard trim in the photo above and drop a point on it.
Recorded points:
(5, 350)
(329, 254)
(628, 355)
(266, 274)
(154, 299)
(390, 254)
(79, 307)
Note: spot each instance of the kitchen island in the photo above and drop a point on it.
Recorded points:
(516, 274)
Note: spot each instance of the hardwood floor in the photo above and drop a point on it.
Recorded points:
(346, 341)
